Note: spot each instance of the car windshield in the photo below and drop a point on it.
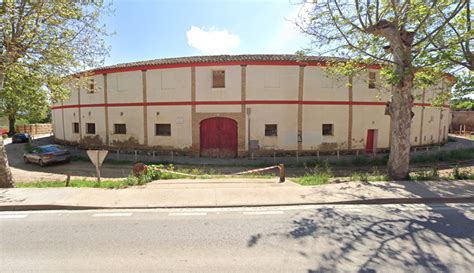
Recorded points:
(49, 149)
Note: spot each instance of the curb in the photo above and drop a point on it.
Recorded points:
(378, 201)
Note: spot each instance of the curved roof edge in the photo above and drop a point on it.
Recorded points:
(258, 59)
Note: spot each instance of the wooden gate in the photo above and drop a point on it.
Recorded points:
(218, 137)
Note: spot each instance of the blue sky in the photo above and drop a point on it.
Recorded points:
(150, 29)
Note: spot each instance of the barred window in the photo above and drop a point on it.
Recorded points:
(328, 130)
(163, 129)
(75, 127)
(372, 80)
(218, 79)
(90, 128)
(271, 130)
(91, 86)
(120, 129)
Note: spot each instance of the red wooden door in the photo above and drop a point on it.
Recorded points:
(369, 146)
(218, 137)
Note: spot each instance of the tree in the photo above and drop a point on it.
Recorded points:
(396, 34)
(53, 39)
(23, 96)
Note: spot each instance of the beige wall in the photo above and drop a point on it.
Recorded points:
(125, 87)
(282, 115)
(262, 82)
(181, 132)
(370, 117)
(318, 86)
(169, 84)
(272, 82)
(314, 116)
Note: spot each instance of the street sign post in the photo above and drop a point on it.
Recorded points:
(97, 157)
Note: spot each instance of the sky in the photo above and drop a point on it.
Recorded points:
(152, 29)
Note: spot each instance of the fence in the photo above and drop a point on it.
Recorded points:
(35, 129)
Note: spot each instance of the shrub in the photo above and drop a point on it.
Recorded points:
(363, 177)
(461, 174)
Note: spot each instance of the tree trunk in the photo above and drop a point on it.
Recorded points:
(11, 124)
(6, 178)
(400, 116)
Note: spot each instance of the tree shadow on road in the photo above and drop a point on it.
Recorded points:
(340, 240)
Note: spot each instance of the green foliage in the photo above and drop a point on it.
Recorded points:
(462, 104)
(77, 183)
(316, 176)
(459, 173)
(53, 39)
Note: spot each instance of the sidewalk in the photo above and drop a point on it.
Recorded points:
(235, 192)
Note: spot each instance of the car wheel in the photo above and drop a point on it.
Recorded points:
(41, 163)
(26, 160)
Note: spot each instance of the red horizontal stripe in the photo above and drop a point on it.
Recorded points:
(178, 103)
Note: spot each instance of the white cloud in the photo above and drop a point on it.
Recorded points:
(213, 40)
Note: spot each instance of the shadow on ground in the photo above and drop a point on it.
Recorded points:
(438, 238)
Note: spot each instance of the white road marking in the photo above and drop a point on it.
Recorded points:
(263, 212)
(113, 214)
(187, 213)
(13, 216)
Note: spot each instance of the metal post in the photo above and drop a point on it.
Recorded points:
(297, 157)
(136, 155)
(153, 155)
(98, 169)
(172, 156)
(317, 153)
(68, 179)
(274, 158)
(281, 167)
(252, 156)
(118, 154)
(337, 152)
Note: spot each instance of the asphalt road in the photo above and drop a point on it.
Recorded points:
(349, 238)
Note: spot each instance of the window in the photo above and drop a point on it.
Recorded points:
(218, 79)
(372, 80)
(91, 87)
(163, 129)
(271, 130)
(120, 129)
(75, 127)
(90, 128)
(328, 130)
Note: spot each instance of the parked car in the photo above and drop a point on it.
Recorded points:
(21, 137)
(47, 154)
(4, 132)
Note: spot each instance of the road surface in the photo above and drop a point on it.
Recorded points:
(345, 238)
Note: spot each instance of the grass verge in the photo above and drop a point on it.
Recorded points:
(76, 183)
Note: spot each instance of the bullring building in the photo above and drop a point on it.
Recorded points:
(230, 105)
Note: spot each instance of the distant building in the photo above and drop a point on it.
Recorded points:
(227, 105)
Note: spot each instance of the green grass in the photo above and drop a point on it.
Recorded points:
(76, 183)
(316, 176)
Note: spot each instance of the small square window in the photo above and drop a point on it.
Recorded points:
(271, 130)
(90, 128)
(163, 129)
(218, 79)
(372, 80)
(75, 127)
(328, 130)
(90, 87)
(120, 129)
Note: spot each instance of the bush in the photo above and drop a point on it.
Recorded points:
(363, 177)
(461, 174)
